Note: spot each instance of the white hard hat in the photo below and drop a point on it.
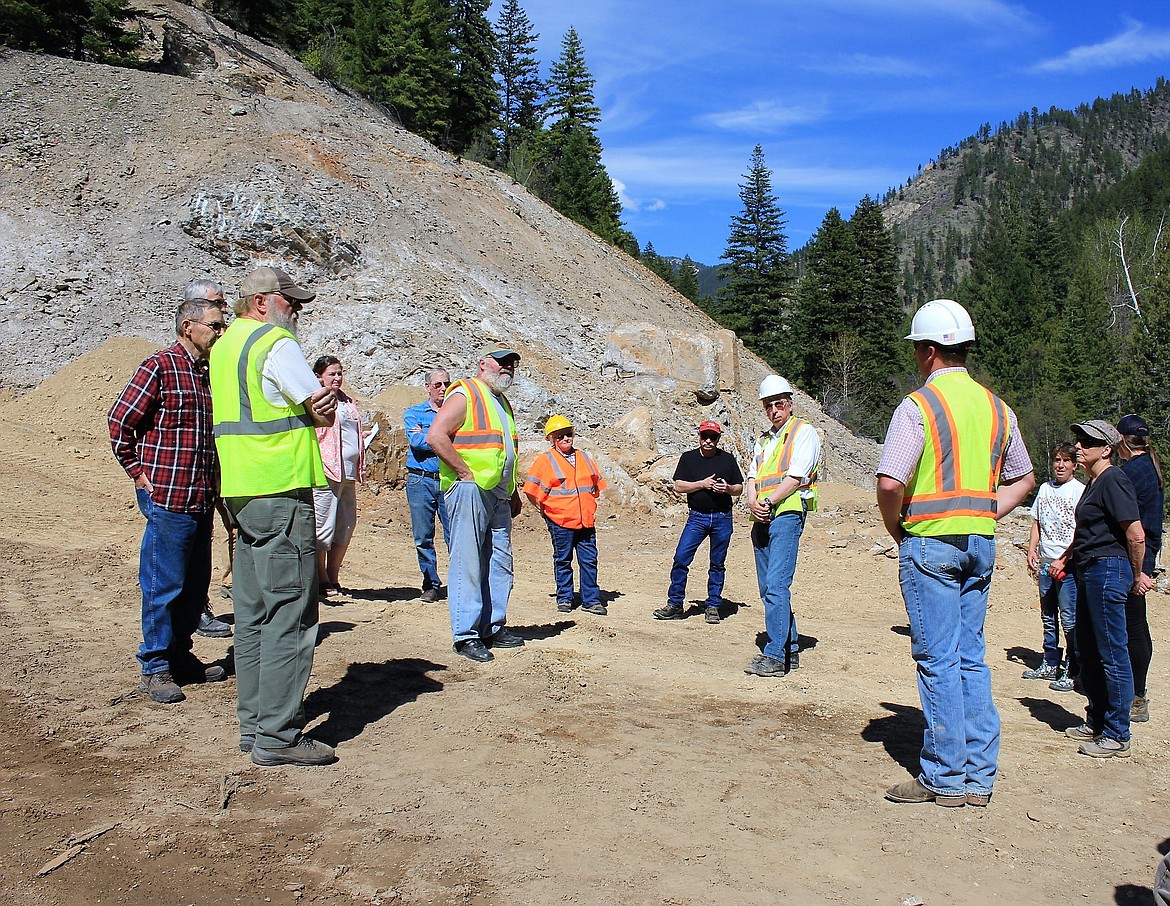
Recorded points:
(774, 385)
(942, 321)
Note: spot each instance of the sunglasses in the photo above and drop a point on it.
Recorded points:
(563, 435)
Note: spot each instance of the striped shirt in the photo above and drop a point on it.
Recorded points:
(160, 426)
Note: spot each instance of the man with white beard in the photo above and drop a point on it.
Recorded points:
(474, 436)
(266, 402)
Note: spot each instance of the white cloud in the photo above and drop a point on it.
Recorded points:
(867, 64)
(1136, 44)
(635, 204)
(763, 116)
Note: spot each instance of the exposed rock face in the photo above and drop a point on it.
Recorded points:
(120, 186)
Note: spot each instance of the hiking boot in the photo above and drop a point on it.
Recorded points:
(505, 638)
(598, 609)
(211, 628)
(473, 649)
(1139, 711)
(669, 612)
(564, 607)
(305, 752)
(161, 687)
(765, 666)
(712, 615)
(1083, 732)
(1044, 672)
(430, 595)
(1105, 747)
(1064, 684)
(913, 791)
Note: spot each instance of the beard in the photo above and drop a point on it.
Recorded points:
(500, 382)
(280, 319)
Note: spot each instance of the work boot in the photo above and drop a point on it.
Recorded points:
(211, 628)
(162, 688)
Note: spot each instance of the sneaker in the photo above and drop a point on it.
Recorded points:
(913, 791)
(1064, 684)
(247, 742)
(765, 666)
(1083, 732)
(1105, 747)
(1044, 671)
(505, 638)
(305, 752)
(430, 595)
(598, 609)
(473, 649)
(1139, 711)
(188, 670)
(669, 612)
(712, 615)
(564, 607)
(161, 687)
(211, 628)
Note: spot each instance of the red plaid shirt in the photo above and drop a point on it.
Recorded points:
(161, 425)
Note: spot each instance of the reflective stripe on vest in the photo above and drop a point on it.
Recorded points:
(480, 439)
(953, 488)
(565, 502)
(770, 472)
(263, 448)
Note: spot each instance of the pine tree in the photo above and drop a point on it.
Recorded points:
(758, 271)
(474, 101)
(657, 263)
(876, 311)
(688, 279)
(521, 89)
(93, 30)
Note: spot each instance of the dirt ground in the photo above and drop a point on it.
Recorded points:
(611, 760)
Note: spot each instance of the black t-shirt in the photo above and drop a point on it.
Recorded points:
(694, 466)
(1108, 501)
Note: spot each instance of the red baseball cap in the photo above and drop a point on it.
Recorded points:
(711, 426)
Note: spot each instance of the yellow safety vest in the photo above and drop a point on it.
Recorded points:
(263, 449)
(952, 490)
(480, 439)
(771, 471)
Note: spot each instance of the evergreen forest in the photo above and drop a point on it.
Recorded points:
(1052, 230)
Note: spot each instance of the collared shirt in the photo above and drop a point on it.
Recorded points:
(417, 421)
(906, 439)
(806, 453)
(160, 426)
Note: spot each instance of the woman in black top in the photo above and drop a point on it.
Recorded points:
(1106, 554)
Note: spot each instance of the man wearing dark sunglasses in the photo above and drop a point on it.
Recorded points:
(161, 433)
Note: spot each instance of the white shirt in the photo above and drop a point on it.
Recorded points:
(285, 376)
(1055, 509)
(806, 453)
(500, 490)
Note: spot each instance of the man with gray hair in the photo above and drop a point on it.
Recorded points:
(200, 290)
(422, 483)
(267, 404)
(160, 430)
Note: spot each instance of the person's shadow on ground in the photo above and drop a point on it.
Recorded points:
(366, 694)
(900, 734)
(1047, 712)
(393, 593)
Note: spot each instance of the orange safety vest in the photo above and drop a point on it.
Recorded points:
(953, 488)
(566, 492)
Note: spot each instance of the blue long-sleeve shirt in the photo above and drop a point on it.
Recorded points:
(417, 421)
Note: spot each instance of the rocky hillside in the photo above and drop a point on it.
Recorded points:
(121, 185)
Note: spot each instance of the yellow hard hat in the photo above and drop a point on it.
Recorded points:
(556, 423)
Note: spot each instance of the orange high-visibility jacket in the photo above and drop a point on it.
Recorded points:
(566, 492)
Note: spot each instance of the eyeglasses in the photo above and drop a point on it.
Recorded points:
(217, 326)
(563, 435)
(769, 405)
(294, 304)
(443, 384)
(708, 436)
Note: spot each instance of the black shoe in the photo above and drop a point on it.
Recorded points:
(211, 628)
(669, 612)
(189, 669)
(247, 742)
(305, 752)
(505, 638)
(473, 649)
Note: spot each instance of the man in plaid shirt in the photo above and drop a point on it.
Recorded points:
(161, 432)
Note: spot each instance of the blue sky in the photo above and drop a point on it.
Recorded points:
(847, 97)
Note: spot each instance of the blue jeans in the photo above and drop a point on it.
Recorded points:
(1103, 644)
(564, 542)
(480, 573)
(1058, 598)
(425, 501)
(775, 546)
(945, 582)
(174, 572)
(698, 527)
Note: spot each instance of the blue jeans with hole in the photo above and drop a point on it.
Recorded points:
(479, 577)
(699, 526)
(425, 502)
(566, 541)
(775, 545)
(1103, 644)
(945, 583)
(174, 572)
(1058, 613)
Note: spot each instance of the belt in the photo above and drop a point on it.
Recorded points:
(423, 472)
